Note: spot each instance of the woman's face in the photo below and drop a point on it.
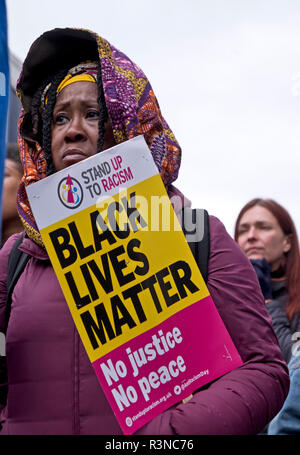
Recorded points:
(260, 236)
(11, 182)
(75, 125)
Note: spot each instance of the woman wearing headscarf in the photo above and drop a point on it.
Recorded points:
(13, 172)
(52, 387)
(266, 233)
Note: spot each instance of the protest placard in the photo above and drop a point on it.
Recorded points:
(135, 292)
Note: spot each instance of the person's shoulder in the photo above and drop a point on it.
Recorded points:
(226, 255)
(215, 224)
(220, 238)
(6, 248)
(4, 255)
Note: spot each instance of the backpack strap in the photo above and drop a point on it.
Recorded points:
(17, 261)
(195, 226)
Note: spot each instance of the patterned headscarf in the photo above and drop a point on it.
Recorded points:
(84, 72)
(131, 105)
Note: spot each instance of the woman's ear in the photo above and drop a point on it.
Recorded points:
(287, 243)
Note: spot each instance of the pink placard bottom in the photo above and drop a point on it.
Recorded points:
(166, 364)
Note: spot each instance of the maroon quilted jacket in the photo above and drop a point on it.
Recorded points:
(53, 388)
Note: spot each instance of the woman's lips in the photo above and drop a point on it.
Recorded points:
(72, 152)
(71, 156)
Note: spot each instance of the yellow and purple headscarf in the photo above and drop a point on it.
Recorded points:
(83, 72)
(130, 101)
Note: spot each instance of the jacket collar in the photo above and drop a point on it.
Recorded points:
(278, 284)
(28, 246)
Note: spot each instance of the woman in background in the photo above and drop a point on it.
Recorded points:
(266, 233)
(13, 172)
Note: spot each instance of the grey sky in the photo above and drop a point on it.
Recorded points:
(227, 77)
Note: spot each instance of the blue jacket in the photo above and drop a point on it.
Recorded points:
(287, 420)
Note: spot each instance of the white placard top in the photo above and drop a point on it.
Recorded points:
(91, 181)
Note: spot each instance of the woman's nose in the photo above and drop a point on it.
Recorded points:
(75, 131)
(252, 233)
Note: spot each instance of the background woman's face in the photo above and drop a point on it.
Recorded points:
(260, 236)
(75, 125)
(11, 182)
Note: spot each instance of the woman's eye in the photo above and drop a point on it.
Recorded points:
(60, 119)
(93, 114)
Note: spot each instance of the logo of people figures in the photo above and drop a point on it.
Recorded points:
(70, 192)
